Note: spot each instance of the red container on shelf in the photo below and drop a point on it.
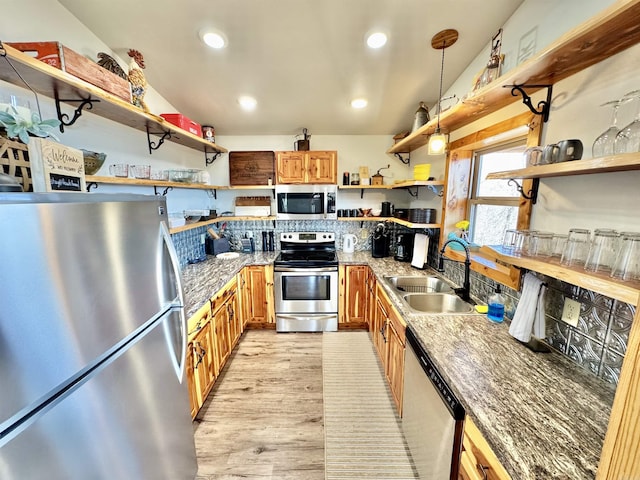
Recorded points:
(183, 122)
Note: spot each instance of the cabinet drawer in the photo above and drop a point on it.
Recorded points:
(477, 457)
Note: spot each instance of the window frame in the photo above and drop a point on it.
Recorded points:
(474, 198)
(460, 157)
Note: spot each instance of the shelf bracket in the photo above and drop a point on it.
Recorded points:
(153, 145)
(435, 190)
(213, 158)
(403, 160)
(531, 194)
(414, 195)
(92, 185)
(164, 192)
(77, 113)
(544, 106)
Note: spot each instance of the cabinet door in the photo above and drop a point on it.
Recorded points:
(380, 325)
(204, 366)
(371, 298)
(394, 368)
(191, 379)
(232, 319)
(221, 337)
(290, 167)
(355, 293)
(257, 292)
(322, 167)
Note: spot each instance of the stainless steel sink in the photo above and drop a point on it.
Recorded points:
(437, 303)
(418, 284)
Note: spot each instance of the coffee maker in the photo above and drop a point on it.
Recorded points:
(404, 247)
(380, 241)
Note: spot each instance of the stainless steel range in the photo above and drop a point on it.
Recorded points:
(306, 283)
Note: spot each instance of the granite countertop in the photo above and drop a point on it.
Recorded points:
(543, 416)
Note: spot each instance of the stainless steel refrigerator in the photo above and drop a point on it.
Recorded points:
(92, 340)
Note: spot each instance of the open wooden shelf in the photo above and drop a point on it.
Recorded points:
(251, 187)
(53, 83)
(613, 30)
(151, 183)
(403, 184)
(364, 187)
(625, 291)
(390, 219)
(216, 220)
(616, 163)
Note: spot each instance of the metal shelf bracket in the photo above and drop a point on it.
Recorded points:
(153, 145)
(531, 194)
(213, 158)
(403, 160)
(415, 195)
(164, 192)
(435, 190)
(544, 106)
(91, 185)
(77, 113)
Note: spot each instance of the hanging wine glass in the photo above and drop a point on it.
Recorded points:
(628, 139)
(604, 144)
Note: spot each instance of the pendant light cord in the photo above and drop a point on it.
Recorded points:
(444, 45)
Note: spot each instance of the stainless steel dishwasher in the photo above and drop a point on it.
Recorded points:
(433, 417)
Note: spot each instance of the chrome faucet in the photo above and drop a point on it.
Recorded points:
(463, 292)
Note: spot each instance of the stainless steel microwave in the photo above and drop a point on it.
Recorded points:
(306, 202)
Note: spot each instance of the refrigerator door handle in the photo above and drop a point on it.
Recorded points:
(178, 359)
(167, 249)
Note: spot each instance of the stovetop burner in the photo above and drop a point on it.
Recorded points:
(307, 250)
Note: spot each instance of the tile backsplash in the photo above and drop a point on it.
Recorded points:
(598, 343)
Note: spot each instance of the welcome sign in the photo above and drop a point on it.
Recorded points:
(56, 167)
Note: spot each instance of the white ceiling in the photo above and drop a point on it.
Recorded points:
(303, 60)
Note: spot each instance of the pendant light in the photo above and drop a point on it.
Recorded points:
(440, 41)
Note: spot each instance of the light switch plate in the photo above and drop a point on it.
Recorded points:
(571, 312)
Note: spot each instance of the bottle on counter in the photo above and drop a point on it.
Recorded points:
(265, 245)
(271, 241)
(496, 306)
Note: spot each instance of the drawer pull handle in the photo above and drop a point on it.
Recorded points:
(483, 470)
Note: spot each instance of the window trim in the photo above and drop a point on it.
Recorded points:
(482, 261)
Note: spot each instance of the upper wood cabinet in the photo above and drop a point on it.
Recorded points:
(306, 167)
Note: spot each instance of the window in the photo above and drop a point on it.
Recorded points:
(494, 204)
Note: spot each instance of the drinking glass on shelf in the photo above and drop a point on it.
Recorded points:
(628, 139)
(605, 143)
(602, 252)
(557, 244)
(577, 247)
(627, 263)
(509, 240)
(540, 244)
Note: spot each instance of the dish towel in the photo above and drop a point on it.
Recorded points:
(530, 311)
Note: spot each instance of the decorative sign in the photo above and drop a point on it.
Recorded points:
(55, 167)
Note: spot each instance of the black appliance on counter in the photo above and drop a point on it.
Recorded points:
(404, 247)
(380, 241)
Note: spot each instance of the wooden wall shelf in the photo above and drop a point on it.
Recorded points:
(53, 83)
(150, 183)
(390, 219)
(613, 30)
(616, 163)
(625, 291)
(217, 220)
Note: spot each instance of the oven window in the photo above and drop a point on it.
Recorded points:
(301, 203)
(312, 287)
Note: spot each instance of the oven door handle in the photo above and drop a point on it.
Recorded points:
(298, 316)
(307, 270)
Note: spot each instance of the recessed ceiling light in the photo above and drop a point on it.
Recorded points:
(247, 103)
(359, 103)
(376, 40)
(214, 39)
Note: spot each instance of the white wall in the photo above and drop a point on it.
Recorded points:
(586, 201)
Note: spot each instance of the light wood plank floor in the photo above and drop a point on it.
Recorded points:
(264, 417)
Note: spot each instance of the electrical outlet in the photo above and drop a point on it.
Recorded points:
(202, 239)
(571, 312)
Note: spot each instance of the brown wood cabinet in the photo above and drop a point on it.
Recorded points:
(256, 289)
(478, 462)
(371, 298)
(389, 339)
(353, 295)
(306, 167)
(200, 367)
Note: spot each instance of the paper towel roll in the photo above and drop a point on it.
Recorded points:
(420, 251)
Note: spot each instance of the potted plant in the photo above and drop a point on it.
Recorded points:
(17, 126)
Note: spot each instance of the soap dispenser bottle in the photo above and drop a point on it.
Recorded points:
(496, 306)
